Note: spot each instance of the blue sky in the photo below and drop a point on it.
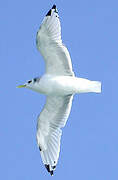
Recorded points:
(89, 146)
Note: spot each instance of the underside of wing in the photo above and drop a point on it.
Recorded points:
(53, 117)
(49, 43)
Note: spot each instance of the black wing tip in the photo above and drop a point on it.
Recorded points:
(48, 169)
(49, 13)
(54, 6)
(40, 148)
(47, 166)
(51, 172)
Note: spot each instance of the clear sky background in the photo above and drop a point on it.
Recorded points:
(89, 145)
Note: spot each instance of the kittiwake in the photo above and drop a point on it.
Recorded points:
(59, 84)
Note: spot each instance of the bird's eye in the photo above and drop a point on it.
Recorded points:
(29, 81)
(35, 79)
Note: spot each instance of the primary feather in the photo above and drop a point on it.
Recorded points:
(49, 43)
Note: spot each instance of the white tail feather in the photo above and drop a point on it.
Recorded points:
(96, 86)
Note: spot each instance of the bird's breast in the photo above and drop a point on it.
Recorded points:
(55, 85)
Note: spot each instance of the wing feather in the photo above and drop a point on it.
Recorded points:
(49, 43)
(52, 118)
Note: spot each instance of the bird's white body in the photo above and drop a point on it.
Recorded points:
(65, 85)
(59, 84)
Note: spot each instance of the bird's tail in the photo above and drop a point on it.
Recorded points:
(85, 86)
(96, 86)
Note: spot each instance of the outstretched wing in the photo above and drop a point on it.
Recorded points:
(53, 117)
(49, 43)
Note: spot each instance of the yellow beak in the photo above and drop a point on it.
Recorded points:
(21, 86)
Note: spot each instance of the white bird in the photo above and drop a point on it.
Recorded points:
(59, 84)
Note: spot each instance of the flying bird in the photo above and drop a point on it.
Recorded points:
(59, 84)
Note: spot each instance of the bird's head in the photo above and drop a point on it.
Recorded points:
(30, 83)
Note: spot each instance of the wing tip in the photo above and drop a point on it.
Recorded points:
(40, 148)
(54, 6)
(47, 166)
(48, 169)
(49, 12)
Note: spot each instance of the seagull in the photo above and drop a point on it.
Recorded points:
(59, 84)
